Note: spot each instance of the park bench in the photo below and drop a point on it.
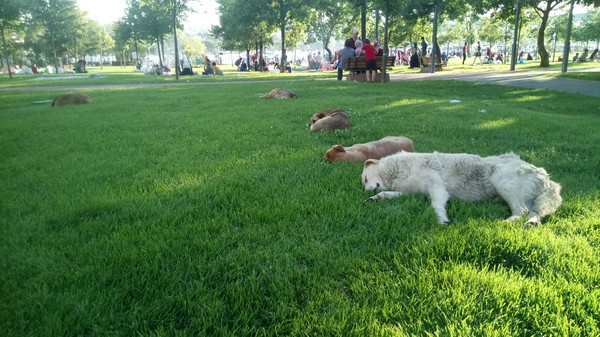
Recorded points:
(426, 63)
(357, 67)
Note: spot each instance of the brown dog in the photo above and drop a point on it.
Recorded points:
(279, 93)
(372, 150)
(75, 98)
(329, 120)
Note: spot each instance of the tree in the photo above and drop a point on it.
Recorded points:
(448, 9)
(589, 29)
(556, 26)
(57, 20)
(192, 45)
(286, 12)
(10, 15)
(245, 25)
(541, 8)
(326, 19)
(123, 35)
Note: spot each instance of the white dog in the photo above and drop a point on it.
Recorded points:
(527, 189)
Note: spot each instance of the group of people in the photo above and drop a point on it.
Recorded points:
(211, 68)
(490, 56)
(354, 46)
(415, 53)
(584, 56)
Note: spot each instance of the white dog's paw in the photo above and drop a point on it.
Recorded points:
(373, 198)
(533, 221)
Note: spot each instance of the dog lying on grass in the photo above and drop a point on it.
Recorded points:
(372, 150)
(329, 120)
(74, 98)
(527, 189)
(279, 93)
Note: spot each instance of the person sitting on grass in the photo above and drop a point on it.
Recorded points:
(216, 69)
(584, 56)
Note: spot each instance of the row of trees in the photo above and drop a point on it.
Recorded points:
(45, 31)
(246, 25)
(53, 32)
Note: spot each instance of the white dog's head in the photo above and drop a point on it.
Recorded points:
(371, 179)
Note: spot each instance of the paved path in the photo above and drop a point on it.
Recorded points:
(522, 78)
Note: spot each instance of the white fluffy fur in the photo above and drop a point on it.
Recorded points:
(527, 189)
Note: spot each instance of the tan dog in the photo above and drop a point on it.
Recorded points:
(329, 120)
(75, 98)
(372, 150)
(279, 93)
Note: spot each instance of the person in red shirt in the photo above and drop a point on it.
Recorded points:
(371, 61)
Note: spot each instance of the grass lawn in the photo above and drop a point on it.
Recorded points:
(126, 76)
(205, 211)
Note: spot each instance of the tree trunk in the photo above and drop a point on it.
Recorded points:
(385, 45)
(283, 54)
(261, 56)
(5, 51)
(247, 59)
(544, 59)
(434, 55)
(328, 53)
(158, 49)
(175, 40)
(162, 47)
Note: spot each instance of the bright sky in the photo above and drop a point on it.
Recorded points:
(108, 11)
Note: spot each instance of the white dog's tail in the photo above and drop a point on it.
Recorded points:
(547, 202)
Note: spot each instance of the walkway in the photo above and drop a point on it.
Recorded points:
(521, 78)
(536, 79)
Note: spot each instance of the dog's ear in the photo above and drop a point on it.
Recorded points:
(339, 148)
(369, 162)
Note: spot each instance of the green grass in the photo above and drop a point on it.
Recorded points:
(126, 76)
(588, 76)
(205, 211)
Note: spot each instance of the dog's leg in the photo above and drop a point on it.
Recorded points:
(439, 197)
(385, 195)
(513, 195)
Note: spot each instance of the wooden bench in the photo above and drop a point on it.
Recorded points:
(358, 66)
(426, 63)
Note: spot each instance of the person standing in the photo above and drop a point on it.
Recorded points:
(464, 55)
(345, 53)
(354, 37)
(477, 53)
(414, 56)
(423, 47)
(371, 60)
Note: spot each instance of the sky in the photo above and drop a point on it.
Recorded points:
(108, 11)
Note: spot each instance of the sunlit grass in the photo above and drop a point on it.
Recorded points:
(206, 211)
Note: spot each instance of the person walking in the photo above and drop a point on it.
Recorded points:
(464, 55)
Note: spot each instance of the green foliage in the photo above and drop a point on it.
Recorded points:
(589, 30)
(202, 210)
(56, 26)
